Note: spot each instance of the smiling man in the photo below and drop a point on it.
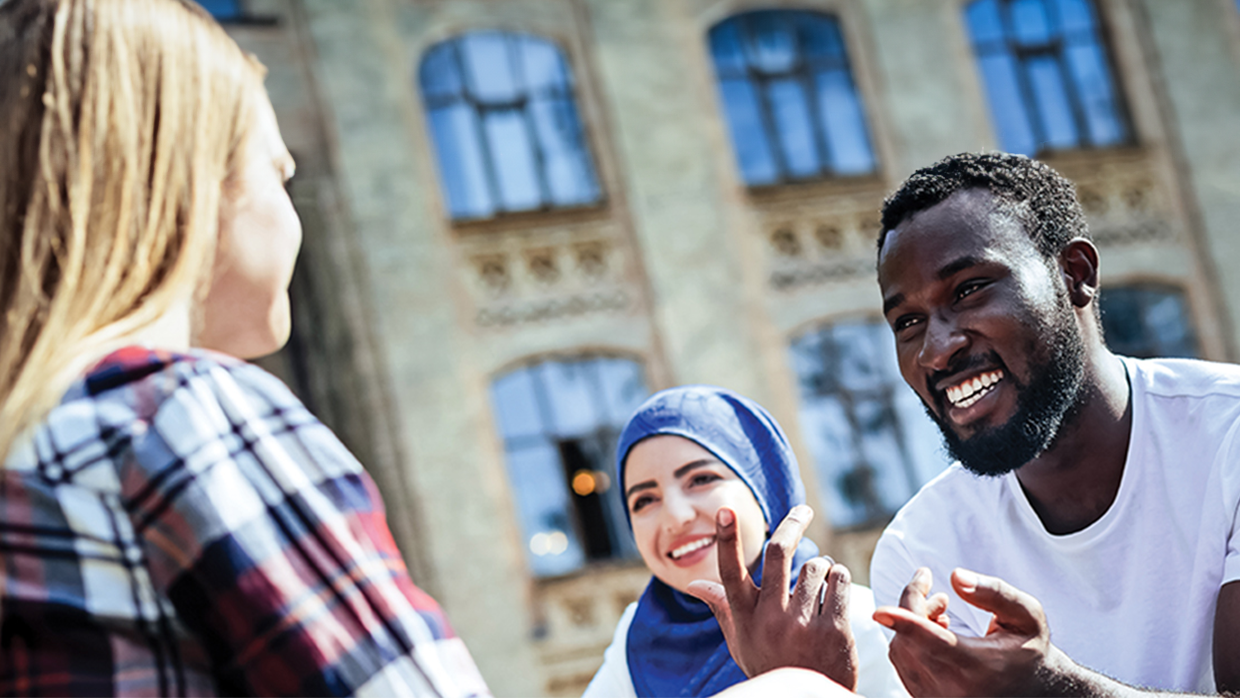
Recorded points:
(1104, 488)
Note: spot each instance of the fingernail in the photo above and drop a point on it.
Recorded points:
(966, 579)
(921, 574)
(883, 620)
(726, 517)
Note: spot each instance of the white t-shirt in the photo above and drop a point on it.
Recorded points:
(1133, 594)
(876, 677)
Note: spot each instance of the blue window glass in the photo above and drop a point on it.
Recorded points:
(1147, 321)
(222, 9)
(505, 125)
(559, 421)
(1047, 75)
(791, 104)
(872, 444)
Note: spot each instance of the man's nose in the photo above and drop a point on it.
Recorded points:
(941, 341)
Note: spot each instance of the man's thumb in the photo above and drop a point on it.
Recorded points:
(1014, 609)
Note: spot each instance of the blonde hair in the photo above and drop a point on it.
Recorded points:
(123, 122)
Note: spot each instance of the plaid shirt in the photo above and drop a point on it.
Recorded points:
(182, 525)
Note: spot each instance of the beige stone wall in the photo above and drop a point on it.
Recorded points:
(405, 318)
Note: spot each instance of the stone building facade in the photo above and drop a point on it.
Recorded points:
(478, 356)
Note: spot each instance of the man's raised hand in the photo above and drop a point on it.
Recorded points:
(766, 627)
(1014, 658)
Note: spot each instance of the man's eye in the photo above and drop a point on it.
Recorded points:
(967, 289)
(903, 323)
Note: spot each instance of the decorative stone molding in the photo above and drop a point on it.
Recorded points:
(540, 276)
(821, 240)
(1124, 198)
(828, 238)
(578, 618)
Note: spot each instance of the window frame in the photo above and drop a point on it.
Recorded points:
(624, 549)
(1122, 114)
(1146, 287)
(573, 92)
(912, 474)
(805, 76)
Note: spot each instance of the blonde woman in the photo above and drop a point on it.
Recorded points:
(172, 520)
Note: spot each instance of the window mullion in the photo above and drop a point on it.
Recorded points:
(758, 81)
(818, 126)
(1075, 102)
(523, 102)
(540, 158)
(774, 142)
(1020, 58)
(1074, 97)
(849, 404)
(480, 112)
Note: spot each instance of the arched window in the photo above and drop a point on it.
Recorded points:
(1147, 320)
(505, 125)
(1048, 78)
(791, 104)
(872, 444)
(559, 421)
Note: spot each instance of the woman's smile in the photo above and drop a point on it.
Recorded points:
(693, 552)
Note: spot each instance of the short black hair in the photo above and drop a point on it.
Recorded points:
(1043, 200)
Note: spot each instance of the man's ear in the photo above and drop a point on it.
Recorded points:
(1079, 263)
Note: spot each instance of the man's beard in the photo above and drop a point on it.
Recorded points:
(1049, 402)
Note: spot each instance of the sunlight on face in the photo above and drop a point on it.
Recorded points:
(246, 309)
(673, 488)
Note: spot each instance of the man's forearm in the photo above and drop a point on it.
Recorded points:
(1061, 677)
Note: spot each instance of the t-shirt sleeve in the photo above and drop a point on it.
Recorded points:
(272, 545)
(612, 679)
(1229, 470)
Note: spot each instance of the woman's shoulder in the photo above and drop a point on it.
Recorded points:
(146, 378)
(612, 679)
(142, 407)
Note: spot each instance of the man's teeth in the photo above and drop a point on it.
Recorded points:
(971, 391)
(690, 547)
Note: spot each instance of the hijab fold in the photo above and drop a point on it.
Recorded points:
(675, 646)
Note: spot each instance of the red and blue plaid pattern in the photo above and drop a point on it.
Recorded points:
(182, 525)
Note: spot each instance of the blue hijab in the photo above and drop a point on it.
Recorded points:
(675, 646)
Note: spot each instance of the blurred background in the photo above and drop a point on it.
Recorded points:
(523, 216)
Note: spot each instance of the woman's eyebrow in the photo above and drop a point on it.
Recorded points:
(647, 485)
(699, 463)
(677, 473)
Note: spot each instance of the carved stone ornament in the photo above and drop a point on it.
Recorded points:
(1123, 197)
(516, 278)
(821, 240)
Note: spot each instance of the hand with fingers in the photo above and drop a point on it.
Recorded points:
(1014, 658)
(767, 627)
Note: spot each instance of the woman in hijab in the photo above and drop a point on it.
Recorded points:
(686, 453)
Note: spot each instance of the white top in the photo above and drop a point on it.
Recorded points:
(875, 675)
(1133, 594)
